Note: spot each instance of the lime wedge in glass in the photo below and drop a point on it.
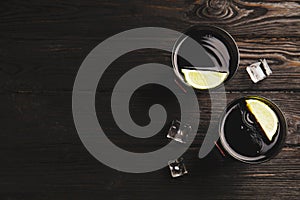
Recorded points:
(265, 116)
(201, 79)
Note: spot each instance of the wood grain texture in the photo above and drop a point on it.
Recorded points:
(42, 45)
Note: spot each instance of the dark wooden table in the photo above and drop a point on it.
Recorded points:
(42, 45)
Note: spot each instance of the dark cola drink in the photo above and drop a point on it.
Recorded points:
(252, 129)
(205, 56)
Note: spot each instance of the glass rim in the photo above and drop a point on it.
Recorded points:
(181, 38)
(276, 149)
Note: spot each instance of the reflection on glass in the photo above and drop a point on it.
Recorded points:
(252, 129)
(205, 56)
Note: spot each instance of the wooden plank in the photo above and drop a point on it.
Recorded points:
(43, 50)
(250, 18)
(44, 157)
(43, 68)
(48, 117)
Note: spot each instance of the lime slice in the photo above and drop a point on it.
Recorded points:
(265, 116)
(204, 79)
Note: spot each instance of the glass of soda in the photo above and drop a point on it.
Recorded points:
(252, 129)
(205, 56)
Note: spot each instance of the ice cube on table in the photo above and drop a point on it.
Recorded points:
(177, 167)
